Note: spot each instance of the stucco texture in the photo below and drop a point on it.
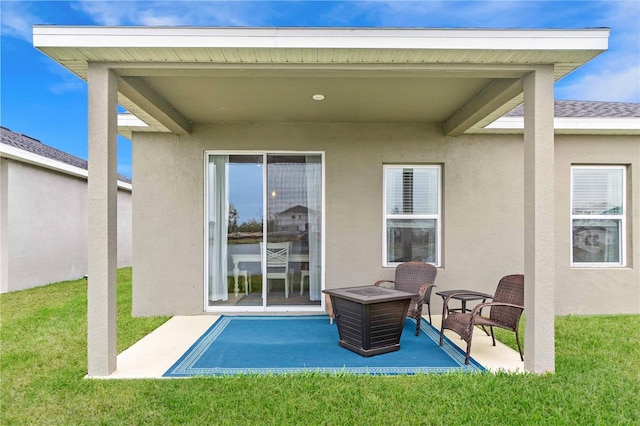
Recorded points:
(482, 208)
(44, 235)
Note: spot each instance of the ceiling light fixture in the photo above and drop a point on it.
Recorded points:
(318, 97)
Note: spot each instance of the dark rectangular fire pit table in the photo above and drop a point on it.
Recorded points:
(370, 318)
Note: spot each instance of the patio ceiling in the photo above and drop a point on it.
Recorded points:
(171, 78)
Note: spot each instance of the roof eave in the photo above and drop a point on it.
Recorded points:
(569, 125)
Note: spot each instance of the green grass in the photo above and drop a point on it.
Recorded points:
(43, 362)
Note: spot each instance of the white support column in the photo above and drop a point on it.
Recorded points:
(539, 239)
(102, 204)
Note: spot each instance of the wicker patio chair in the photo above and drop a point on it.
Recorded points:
(506, 310)
(417, 278)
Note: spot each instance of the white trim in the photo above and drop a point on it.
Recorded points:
(437, 217)
(321, 38)
(126, 119)
(13, 153)
(262, 308)
(621, 217)
(628, 124)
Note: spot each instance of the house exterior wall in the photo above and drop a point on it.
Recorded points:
(482, 208)
(44, 226)
(597, 290)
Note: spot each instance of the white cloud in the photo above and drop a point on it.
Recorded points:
(438, 14)
(164, 13)
(615, 75)
(63, 81)
(104, 13)
(609, 83)
(17, 20)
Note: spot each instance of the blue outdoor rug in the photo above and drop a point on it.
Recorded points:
(292, 344)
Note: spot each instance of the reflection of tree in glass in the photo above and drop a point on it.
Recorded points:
(250, 226)
(233, 219)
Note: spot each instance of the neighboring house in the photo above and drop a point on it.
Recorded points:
(395, 140)
(43, 214)
(292, 220)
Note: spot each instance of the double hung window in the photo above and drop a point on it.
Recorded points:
(411, 214)
(598, 215)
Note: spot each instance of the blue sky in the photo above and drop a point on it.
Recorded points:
(41, 99)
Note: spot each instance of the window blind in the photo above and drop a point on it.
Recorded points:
(412, 191)
(597, 191)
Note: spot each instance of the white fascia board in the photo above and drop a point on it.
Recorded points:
(130, 120)
(17, 154)
(319, 38)
(622, 125)
(129, 123)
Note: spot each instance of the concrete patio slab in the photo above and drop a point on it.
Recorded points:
(152, 356)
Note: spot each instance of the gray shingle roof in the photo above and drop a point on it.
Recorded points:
(585, 109)
(34, 146)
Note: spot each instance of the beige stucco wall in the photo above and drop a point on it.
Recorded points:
(597, 290)
(483, 212)
(45, 226)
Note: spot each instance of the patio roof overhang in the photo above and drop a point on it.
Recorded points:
(170, 78)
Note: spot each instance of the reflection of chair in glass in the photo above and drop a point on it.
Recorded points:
(303, 273)
(506, 309)
(278, 263)
(416, 278)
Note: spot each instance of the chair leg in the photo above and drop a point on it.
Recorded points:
(466, 358)
(493, 337)
(429, 310)
(286, 287)
(518, 342)
(418, 325)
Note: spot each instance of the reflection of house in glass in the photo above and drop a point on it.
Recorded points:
(596, 243)
(292, 220)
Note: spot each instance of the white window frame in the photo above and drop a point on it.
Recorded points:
(277, 308)
(437, 217)
(621, 217)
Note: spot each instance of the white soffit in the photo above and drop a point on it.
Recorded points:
(139, 54)
(129, 123)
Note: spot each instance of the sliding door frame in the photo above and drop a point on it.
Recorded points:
(265, 307)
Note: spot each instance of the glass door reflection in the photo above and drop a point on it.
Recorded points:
(265, 220)
(294, 209)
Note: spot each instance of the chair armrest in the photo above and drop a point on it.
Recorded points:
(424, 290)
(479, 306)
(380, 282)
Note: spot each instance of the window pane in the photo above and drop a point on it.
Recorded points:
(412, 190)
(294, 217)
(411, 239)
(596, 240)
(597, 191)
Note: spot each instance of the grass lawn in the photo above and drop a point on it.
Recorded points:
(43, 362)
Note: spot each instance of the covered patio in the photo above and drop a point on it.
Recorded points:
(153, 355)
(190, 90)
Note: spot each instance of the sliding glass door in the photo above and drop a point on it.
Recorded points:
(264, 242)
